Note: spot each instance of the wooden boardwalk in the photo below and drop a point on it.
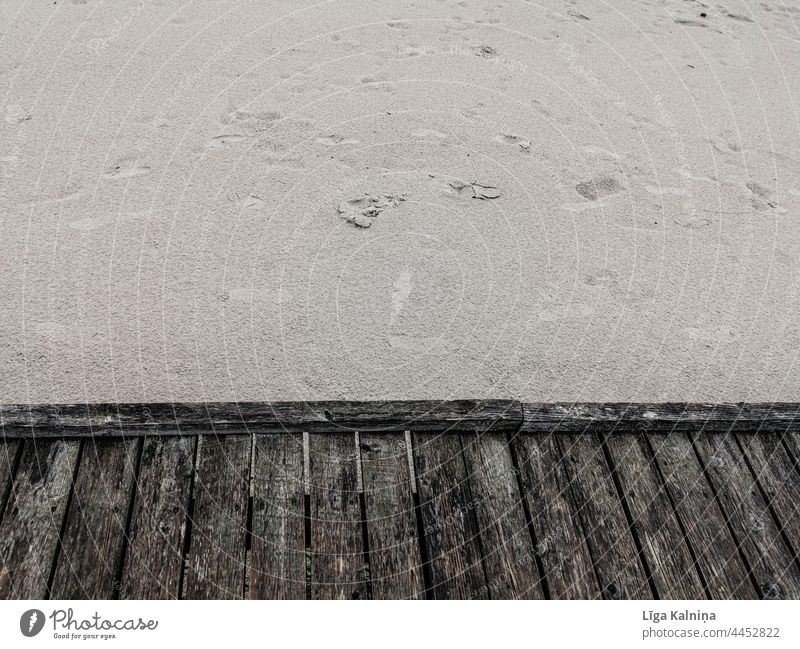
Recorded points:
(464, 500)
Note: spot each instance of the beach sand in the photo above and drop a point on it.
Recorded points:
(390, 199)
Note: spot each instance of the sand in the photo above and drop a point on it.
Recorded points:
(390, 199)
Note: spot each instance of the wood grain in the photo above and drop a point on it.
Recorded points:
(613, 548)
(30, 528)
(154, 559)
(577, 514)
(715, 550)
(476, 415)
(448, 518)
(132, 419)
(508, 552)
(215, 567)
(654, 521)
(394, 550)
(779, 477)
(659, 417)
(9, 450)
(94, 531)
(277, 564)
(560, 541)
(770, 561)
(339, 565)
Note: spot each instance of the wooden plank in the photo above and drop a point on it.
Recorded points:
(611, 544)
(132, 419)
(659, 417)
(394, 550)
(508, 552)
(154, 559)
(8, 460)
(560, 542)
(277, 565)
(778, 474)
(339, 565)
(792, 441)
(34, 514)
(770, 561)
(216, 563)
(64, 420)
(94, 532)
(715, 549)
(448, 518)
(20, 421)
(654, 521)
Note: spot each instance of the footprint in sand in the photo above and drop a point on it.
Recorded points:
(362, 211)
(762, 198)
(514, 140)
(249, 201)
(16, 114)
(225, 140)
(125, 169)
(758, 190)
(476, 189)
(485, 51)
(333, 140)
(402, 290)
(239, 116)
(603, 278)
(601, 152)
(598, 187)
(693, 221)
(579, 16)
(685, 172)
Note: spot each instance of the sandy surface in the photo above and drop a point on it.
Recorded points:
(583, 200)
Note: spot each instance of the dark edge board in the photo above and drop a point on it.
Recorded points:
(659, 417)
(138, 419)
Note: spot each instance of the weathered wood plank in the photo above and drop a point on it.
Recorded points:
(659, 417)
(715, 549)
(770, 561)
(131, 419)
(508, 553)
(654, 521)
(30, 528)
(448, 518)
(154, 559)
(94, 532)
(339, 565)
(216, 563)
(477, 415)
(395, 555)
(613, 548)
(560, 541)
(8, 459)
(277, 565)
(434, 416)
(792, 441)
(779, 476)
